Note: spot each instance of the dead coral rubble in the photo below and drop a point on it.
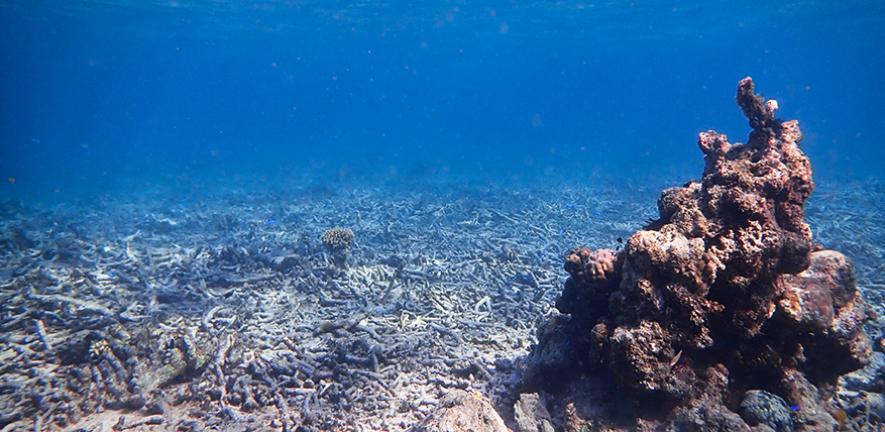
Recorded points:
(725, 294)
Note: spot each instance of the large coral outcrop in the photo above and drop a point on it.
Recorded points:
(723, 294)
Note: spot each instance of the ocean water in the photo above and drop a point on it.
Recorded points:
(168, 170)
(109, 95)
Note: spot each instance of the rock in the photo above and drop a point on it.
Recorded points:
(761, 407)
(870, 378)
(531, 415)
(811, 412)
(462, 411)
(860, 394)
(826, 309)
(706, 417)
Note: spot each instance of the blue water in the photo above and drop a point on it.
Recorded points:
(110, 96)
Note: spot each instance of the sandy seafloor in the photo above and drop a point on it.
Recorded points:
(222, 311)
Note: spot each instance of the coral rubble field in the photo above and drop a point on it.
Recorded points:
(229, 312)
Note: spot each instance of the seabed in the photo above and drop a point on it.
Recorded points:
(227, 312)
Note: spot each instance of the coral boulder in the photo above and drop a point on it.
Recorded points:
(723, 294)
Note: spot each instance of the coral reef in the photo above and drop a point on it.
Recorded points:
(722, 297)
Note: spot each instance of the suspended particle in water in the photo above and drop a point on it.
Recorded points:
(537, 121)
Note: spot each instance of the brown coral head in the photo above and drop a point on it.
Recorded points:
(591, 265)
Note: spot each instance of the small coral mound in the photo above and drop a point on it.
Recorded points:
(722, 297)
(338, 238)
(338, 242)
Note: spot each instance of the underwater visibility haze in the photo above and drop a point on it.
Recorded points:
(100, 91)
(485, 216)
